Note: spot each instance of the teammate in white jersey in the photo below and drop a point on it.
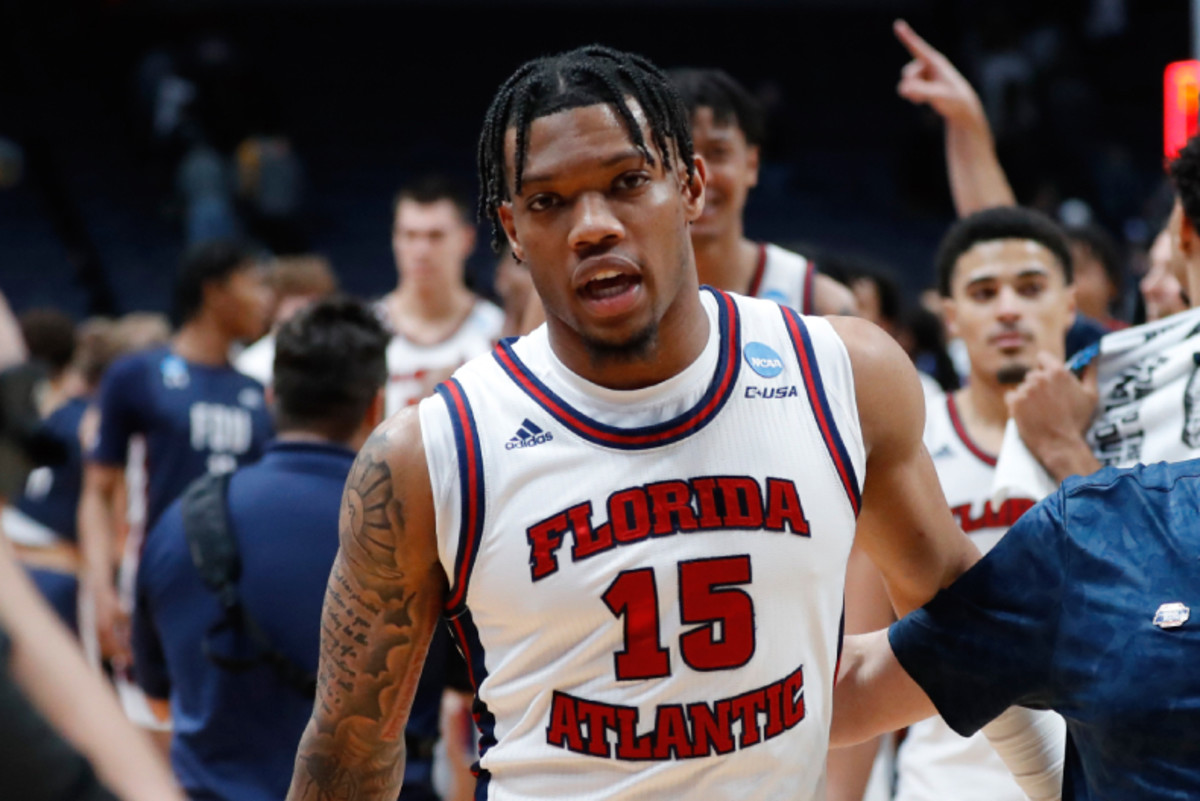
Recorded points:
(637, 518)
(436, 321)
(1005, 279)
(727, 132)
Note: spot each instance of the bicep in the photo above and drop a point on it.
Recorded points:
(905, 525)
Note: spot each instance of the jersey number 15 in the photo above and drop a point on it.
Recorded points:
(706, 599)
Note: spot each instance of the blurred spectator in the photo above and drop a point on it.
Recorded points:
(728, 127)
(925, 340)
(297, 281)
(1099, 274)
(238, 713)
(205, 182)
(41, 525)
(436, 321)
(271, 185)
(196, 413)
(1160, 287)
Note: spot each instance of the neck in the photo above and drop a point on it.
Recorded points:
(727, 262)
(1192, 274)
(983, 411)
(202, 341)
(312, 437)
(432, 302)
(682, 334)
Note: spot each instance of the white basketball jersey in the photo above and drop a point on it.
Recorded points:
(648, 584)
(934, 763)
(414, 369)
(784, 277)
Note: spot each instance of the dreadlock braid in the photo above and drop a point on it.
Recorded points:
(582, 77)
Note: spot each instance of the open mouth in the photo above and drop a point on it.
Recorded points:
(610, 292)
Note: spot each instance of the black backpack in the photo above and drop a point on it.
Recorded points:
(214, 553)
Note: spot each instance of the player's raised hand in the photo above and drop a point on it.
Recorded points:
(931, 79)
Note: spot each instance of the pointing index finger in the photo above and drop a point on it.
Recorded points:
(912, 41)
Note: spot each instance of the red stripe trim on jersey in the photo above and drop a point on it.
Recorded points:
(820, 406)
(691, 421)
(961, 430)
(759, 270)
(808, 303)
(470, 472)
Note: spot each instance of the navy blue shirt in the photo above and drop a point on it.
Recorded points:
(51, 494)
(236, 734)
(195, 418)
(1061, 615)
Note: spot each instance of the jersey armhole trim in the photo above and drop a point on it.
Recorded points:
(806, 356)
(471, 496)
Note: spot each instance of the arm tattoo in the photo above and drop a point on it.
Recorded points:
(381, 605)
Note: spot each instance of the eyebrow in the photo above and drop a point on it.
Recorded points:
(616, 158)
(1028, 272)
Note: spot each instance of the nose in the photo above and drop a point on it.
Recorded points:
(594, 223)
(1008, 304)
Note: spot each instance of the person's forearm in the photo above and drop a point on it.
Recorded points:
(848, 770)
(977, 181)
(326, 769)
(1032, 746)
(1069, 456)
(96, 535)
(51, 670)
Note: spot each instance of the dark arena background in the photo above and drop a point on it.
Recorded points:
(103, 103)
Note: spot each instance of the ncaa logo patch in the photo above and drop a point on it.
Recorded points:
(763, 360)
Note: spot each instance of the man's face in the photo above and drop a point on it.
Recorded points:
(431, 242)
(603, 231)
(732, 172)
(243, 302)
(1008, 301)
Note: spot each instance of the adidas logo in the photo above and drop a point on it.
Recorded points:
(943, 452)
(528, 435)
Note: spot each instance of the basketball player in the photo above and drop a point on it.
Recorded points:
(437, 322)
(728, 129)
(1005, 278)
(636, 518)
(197, 413)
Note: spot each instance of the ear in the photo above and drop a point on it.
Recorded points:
(1189, 240)
(693, 188)
(1071, 305)
(950, 317)
(505, 212)
(468, 241)
(752, 163)
(375, 414)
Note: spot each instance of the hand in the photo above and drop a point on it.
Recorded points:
(931, 79)
(1052, 409)
(112, 622)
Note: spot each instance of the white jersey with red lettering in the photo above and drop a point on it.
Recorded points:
(934, 763)
(648, 584)
(784, 277)
(415, 369)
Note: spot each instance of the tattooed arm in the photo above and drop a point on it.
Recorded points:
(384, 597)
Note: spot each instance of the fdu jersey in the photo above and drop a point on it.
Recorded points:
(195, 419)
(648, 584)
(934, 762)
(784, 277)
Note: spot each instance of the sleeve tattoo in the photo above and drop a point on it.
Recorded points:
(381, 604)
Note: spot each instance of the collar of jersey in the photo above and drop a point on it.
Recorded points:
(720, 388)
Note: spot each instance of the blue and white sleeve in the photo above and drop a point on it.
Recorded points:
(987, 641)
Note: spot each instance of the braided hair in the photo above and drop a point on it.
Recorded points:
(585, 76)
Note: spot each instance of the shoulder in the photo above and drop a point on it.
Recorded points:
(782, 258)
(486, 316)
(136, 364)
(891, 401)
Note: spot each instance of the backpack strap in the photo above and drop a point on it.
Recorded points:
(214, 553)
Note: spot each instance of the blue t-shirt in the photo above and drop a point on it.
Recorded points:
(236, 733)
(51, 494)
(195, 418)
(1061, 615)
